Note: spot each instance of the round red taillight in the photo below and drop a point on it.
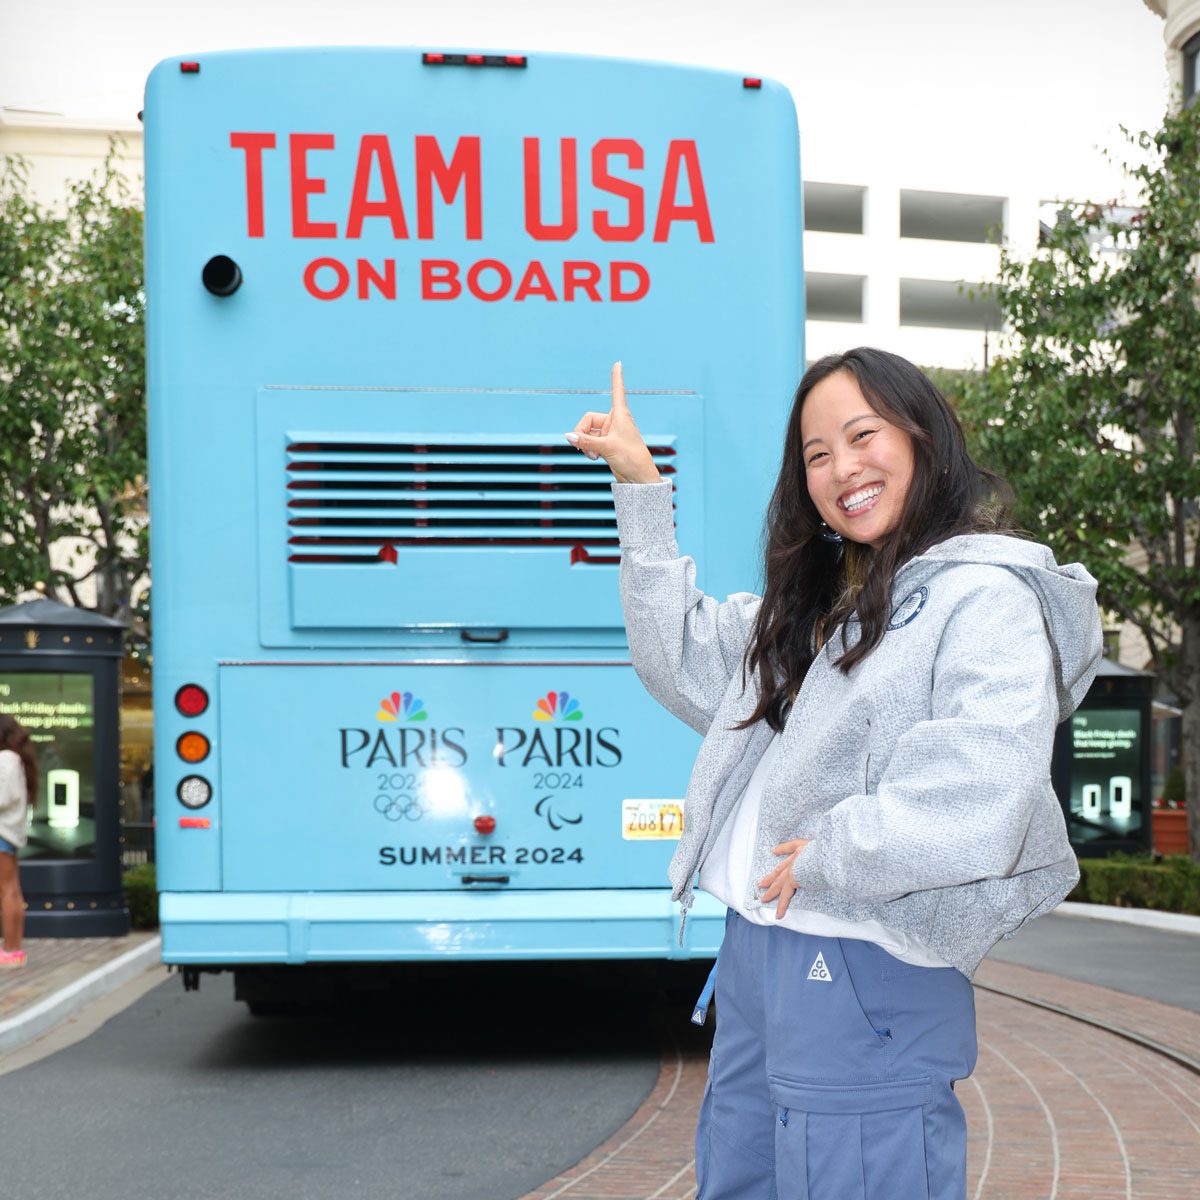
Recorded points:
(191, 700)
(485, 824)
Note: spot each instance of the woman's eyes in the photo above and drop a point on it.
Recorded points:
(860, 433)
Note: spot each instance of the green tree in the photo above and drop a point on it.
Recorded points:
(72, 394)
(1091, 407)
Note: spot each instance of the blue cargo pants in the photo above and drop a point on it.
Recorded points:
(832, 1072)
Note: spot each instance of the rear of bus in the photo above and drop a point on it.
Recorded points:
(395, 713)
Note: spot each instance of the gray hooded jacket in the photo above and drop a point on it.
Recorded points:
(922, 777)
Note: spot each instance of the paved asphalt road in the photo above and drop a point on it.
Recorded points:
(477, 1091)
(1154, 963)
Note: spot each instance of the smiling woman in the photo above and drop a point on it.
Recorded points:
(858, 465)
(873, 804)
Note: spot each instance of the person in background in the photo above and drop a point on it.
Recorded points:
(18, 782)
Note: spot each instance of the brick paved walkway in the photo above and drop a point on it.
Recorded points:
(55, 963)
(1056, 1110)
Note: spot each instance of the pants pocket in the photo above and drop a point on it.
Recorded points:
(861, 1141)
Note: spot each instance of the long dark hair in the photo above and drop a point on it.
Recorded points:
(14, 736)
(813, 585)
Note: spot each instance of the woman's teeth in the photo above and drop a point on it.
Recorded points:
(859, 499)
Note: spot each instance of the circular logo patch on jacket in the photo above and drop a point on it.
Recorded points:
(908, 608)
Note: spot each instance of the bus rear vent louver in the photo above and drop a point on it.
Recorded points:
(360, 501)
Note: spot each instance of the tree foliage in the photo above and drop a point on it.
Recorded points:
(72, 394)
(1091, 408)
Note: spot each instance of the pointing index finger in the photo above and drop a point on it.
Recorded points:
(618, 388)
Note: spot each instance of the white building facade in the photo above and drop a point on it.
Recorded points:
(61, 150)
(1182, 36)
(891, 264)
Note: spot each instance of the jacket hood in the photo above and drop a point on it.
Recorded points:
(1066, 592)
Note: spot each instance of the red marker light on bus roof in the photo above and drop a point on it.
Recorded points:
(191, 700)
(751, 82)
(190, 68)
(437, 58)
(485, 824)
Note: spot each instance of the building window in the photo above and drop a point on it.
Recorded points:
(951, 217)
(1191, 48)
(834, 297)
(1057, 214)
(940, 304)
(834, 207)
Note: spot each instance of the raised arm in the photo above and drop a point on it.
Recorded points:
(685, 645)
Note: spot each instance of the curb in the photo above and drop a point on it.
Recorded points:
(1139, 1039)
(52, 1009)
(1149, 917)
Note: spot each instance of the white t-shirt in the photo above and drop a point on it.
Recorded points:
(12, 798)
(725, 874)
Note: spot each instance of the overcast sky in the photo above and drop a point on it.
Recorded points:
(990, 95)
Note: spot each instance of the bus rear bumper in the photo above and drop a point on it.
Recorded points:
(201, 928)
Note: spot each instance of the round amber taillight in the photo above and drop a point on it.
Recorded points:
(192, 747)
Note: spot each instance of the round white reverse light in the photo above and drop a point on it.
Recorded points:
(194, 791)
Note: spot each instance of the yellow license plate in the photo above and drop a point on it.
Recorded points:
(646, 819)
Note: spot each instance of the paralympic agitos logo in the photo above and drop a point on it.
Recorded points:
(558, 739)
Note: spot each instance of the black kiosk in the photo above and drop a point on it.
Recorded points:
(1101, 764)
(59, 676)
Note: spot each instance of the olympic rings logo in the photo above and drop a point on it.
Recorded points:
(399, 808)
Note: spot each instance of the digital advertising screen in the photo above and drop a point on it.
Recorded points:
(1106, 756)
(58, 709)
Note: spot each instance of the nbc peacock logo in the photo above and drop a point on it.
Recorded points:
(401, 706)
(557, 706)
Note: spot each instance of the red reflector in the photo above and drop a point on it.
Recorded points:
(190, 68)
(388, 553)
(191, 700)
(515, 60)
(751, 82)
(194, 823)
(433, 58)
(475, 60)
(485, 824)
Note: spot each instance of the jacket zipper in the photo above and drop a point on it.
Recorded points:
(867, 770)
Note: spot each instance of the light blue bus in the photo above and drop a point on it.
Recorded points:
(395, 714)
